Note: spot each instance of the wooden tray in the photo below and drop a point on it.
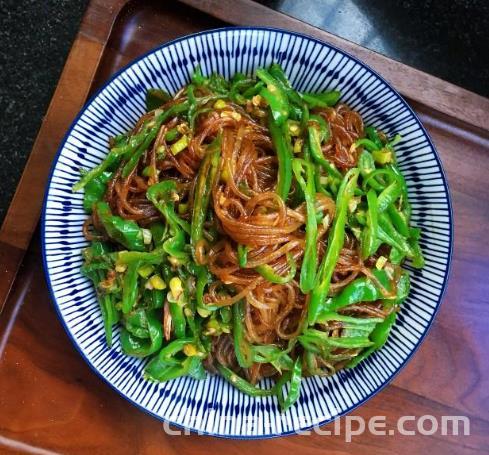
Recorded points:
(49, 398)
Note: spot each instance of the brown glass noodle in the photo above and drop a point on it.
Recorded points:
(247, 211)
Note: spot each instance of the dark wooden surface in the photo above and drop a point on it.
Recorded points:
(50, 399)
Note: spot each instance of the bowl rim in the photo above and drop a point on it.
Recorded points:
(219, 30)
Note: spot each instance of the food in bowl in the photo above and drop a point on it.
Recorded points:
(251, 230)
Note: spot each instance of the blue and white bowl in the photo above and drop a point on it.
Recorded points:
(212, 406)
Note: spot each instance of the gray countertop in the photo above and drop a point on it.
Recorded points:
(446, 38)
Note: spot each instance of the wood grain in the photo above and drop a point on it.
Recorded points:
(70, 95)
(441, 95)
(52, 400)
(49, 397)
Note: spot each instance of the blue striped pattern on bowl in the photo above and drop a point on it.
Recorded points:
(213, 406)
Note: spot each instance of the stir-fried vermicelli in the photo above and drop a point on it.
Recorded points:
(250, 230)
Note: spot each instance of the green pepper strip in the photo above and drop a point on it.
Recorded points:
(366, 164)
(277, 72)
(284, 155)
(417, 259)
(97, 256)
(370, 234)
(142, 347)
(373, 136)
(237, 87)
(168, 352)
(192, 106)
(367, 143)
(218, 84)
(310, 260)
(160, 195)
(172, 134)
(165, 366)
(127, 257)
(205, 181)
(324, 131)
(335, 244)
(252, 91)
(197, 77)
(149, 136)
(178, 319)
(130, 287)
(156, 300)
(316, 152)
(388, 234)
(203, 279)
(95, 190)
(275, 97)
(360, 290)
(324, 99)
(267, 272)
(399, 220)
(191, 366)
(389, 195)
(378, 336)
(295, 378)
(125, 232)
(136, 323)
(112, 158)
(242, 255)
(321, 343)
(122, 148)
(109, 315)
(372, 178)
(242, 384)
(242, 348)
(332, 316)
(269, 353)
(156, 97)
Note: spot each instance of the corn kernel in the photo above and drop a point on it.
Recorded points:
(298, 145)
(176, 287)
(146, 270)
(220, 104)
(180, 145)
(190, 350)
(120, 268)
(183, 128)
(157, 282)
(353, 203)
(182, 208)
(294, 128)
(146, 236)
(225, 174)
(203, 312)
(326, 221)
(174, 261)
(382, 156)
(256, 100)
(380, 263)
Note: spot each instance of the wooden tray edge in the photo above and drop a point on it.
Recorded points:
(70, 95)
(416, 85)
(23, 214)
